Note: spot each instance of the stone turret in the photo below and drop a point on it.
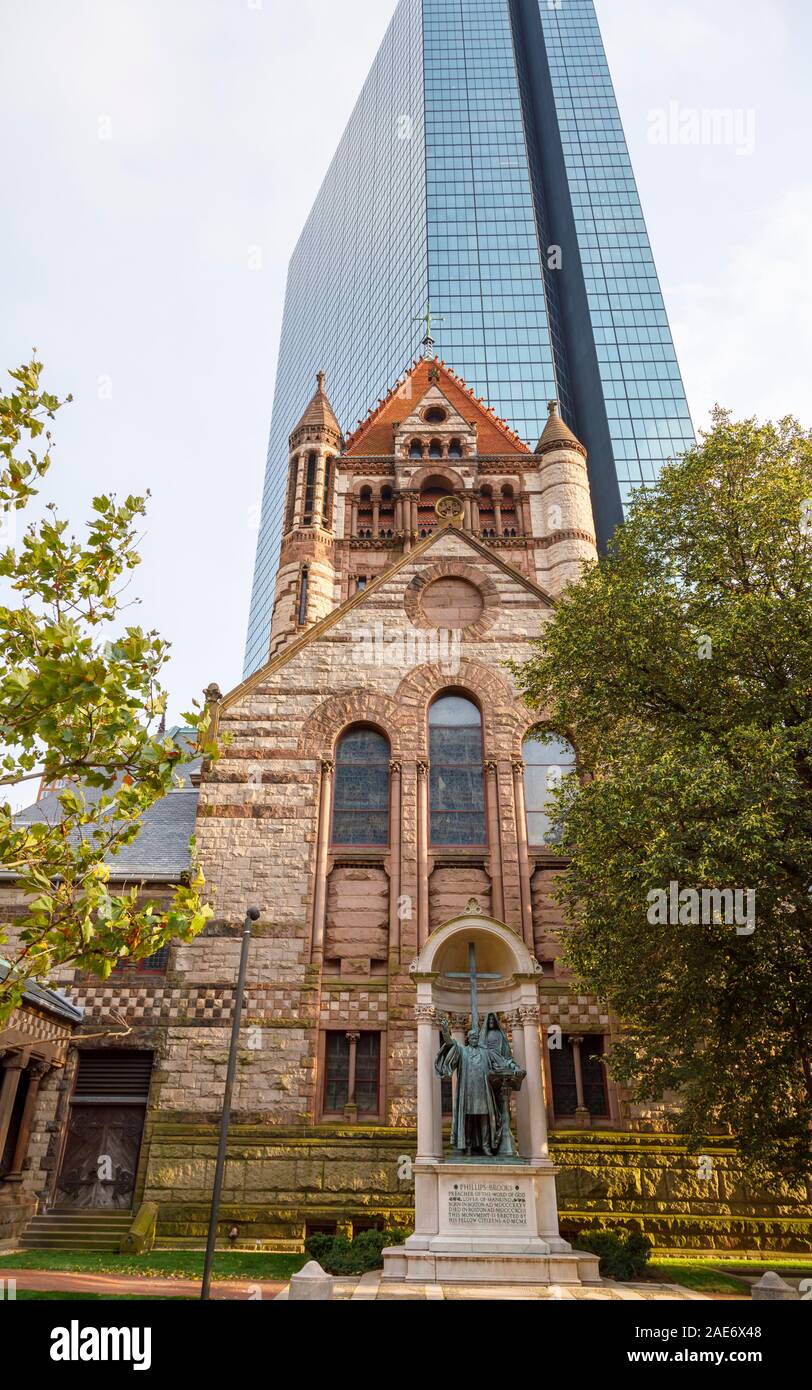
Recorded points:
(568, 524)
(306, 580)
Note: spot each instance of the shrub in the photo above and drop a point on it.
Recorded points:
(337, 1255)
(623, 1254)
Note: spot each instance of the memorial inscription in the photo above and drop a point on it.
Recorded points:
(486, 1204)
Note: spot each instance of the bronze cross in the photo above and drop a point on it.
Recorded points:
(472, 975)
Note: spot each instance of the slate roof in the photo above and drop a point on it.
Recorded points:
(49, 999)
(161, 847)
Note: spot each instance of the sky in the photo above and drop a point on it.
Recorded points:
(159, 158)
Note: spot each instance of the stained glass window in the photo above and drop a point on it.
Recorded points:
(367, 1072)
(361, 792)
(545, 764)
(456, 783)
(336, 1071)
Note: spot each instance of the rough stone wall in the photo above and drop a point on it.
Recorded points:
(357, 916)
(450, 889)
(279, 1182)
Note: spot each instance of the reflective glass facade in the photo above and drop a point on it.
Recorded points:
(486, 136)
(642, 388)
(356, 280)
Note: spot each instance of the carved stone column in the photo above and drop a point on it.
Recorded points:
(322, 851)
(13, 1067)
(539, 1148)
(428, 1083)
(354, 516)
(376, 518)
(582, 1116)
(351, 1107)
(494, 837)
(525, 890)
(394, 864)
(36, 1072)
(422, 853)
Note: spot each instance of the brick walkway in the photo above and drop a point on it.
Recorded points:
(59, 1281)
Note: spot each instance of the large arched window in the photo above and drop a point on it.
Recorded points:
(456, 783)
(545, 763)
(361, 790)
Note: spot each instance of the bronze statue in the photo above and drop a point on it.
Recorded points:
(486, 1074)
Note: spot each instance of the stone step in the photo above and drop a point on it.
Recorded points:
(65, 1229)
(120, 1222)
(73, 1242)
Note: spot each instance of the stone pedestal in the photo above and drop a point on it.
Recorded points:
(481, 1222)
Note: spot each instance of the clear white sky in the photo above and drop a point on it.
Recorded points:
(128, 260)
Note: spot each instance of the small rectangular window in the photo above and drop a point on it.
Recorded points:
(352, 1072)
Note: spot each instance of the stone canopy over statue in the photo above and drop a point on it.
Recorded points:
(486, 1075)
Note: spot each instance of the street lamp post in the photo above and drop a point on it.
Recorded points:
(251, 916)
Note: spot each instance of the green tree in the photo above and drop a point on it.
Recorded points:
(681, 668)
(79, 702)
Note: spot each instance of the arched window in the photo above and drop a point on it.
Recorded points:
(329, 489)
(487, 515)
(365, 513)
(303, 587)
(361, 790)
(545, 763)
(435, 449)
(415, 449)
(430, 493)
(386, 521)
(310, 489)
(508, 511)
(455, 449)
(290, 505)
(456, 781)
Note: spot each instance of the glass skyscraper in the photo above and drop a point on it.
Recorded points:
(484, 170)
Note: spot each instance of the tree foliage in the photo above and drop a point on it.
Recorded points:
(80, 705)
(681, 668)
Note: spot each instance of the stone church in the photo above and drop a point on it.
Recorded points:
(378, 779)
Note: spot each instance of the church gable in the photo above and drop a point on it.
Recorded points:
(450, 582)
(376, 434)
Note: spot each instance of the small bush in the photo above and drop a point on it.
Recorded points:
(623, 1254)
(318, 1245)
(337, 1255)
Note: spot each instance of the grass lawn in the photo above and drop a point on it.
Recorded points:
(699, 1275)
(163, 1264)
(44, 1295)
(800, 1263)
